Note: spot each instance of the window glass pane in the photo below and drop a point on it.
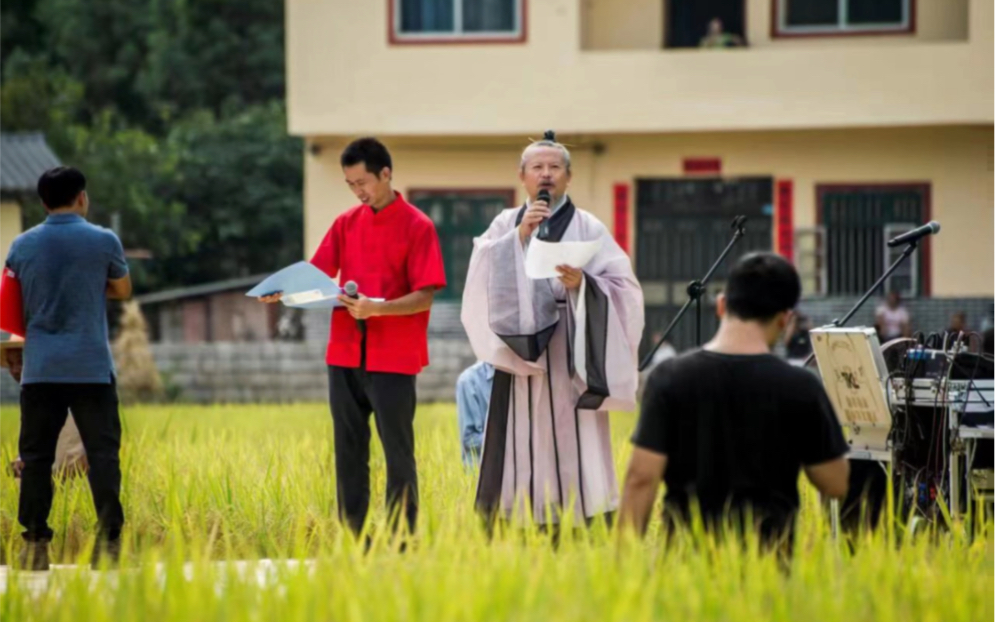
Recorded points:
(459, 217)
(489, 15)
(875, 11)
(427, 15)
(811, 12)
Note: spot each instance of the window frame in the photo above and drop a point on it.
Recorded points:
(395, 37)
(781, 30)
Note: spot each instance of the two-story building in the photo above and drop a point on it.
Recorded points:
(832, 125)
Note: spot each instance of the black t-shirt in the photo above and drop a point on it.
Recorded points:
(736, 429)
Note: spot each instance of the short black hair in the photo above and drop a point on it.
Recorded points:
(369, 151)
(761, 285)
(59, 187)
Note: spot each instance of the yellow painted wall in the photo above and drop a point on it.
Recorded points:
(10, 225)
(344, 78)
(956, 161)
(622, 24)
(640, 25)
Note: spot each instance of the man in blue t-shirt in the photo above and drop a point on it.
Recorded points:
(68, 268)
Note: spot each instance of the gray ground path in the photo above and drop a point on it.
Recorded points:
(265, 572)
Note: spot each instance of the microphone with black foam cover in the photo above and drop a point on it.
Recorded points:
(352, 291)
(544, 225)
(916, 234)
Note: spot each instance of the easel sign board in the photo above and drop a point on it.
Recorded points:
(854, 373)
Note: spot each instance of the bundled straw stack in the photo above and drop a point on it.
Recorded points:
(137, 375)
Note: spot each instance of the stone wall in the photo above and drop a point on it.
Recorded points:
(294, 372)
(284, 372)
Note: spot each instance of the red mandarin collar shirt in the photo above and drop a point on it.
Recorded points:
(389, 254)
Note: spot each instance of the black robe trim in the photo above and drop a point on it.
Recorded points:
(580, 463)
(552, 421)
(489, 484)
(596, 303)
(530, 347)
(532, 460)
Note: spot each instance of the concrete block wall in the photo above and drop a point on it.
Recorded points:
(243, 372)
(927, 314)
(296, 371)
(10, 391)
(285, 372)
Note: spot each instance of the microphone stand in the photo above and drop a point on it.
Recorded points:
(911, 248)
(696, 290)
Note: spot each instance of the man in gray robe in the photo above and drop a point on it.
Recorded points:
(564, 350)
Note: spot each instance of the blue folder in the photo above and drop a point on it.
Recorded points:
(303, 286)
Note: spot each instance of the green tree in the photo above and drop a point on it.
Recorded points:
(20, 28)
(38, 97)
(240, 178)
(214, 54)
(103, 44)
(174, 110)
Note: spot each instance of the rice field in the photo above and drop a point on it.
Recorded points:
(211, 492)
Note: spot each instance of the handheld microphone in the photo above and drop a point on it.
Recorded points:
(915, 235)
(544, 225)
(352, 291)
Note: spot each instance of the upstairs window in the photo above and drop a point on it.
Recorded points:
(426, 21)
(836, 17)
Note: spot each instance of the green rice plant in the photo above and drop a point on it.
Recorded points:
(231, 515)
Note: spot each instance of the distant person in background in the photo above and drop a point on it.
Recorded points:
(664, 352)
(798, 343)
(957, 330)
(473, 396)
(717, 37)
(988, 331)
(892, 319)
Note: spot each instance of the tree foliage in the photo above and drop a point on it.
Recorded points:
(174, 110)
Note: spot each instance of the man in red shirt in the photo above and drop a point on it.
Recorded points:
(378, 341)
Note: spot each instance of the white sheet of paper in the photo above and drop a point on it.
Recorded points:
(300, 298)
(542, 257)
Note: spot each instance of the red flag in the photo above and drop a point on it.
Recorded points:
(11, 306)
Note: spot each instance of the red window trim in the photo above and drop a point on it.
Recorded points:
(776, 33)
(394, 39)
(925, 255)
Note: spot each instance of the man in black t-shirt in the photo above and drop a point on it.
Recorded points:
(729, 427)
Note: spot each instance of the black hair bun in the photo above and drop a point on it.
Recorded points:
(550, 135)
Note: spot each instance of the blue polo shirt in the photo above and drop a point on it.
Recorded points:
(63, 265)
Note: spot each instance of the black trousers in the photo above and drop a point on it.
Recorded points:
(44, 408)
(353, 395)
